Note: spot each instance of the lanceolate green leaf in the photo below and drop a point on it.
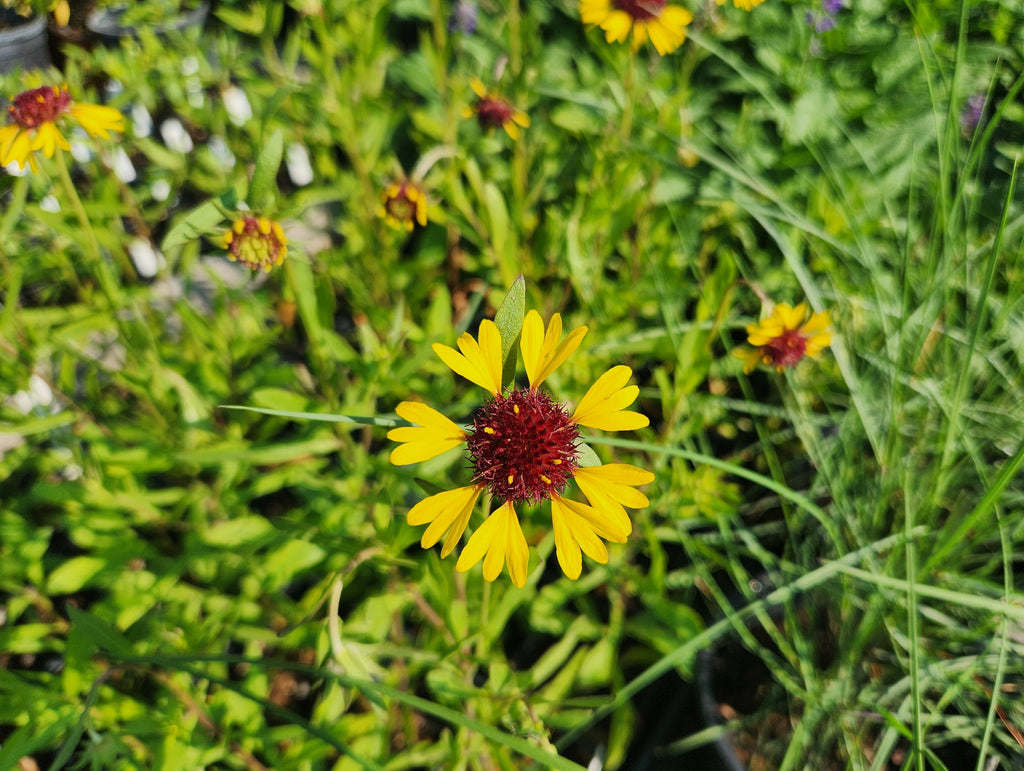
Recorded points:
(264, 177)
(509, 319)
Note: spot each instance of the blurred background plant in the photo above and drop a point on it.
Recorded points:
(183, 586)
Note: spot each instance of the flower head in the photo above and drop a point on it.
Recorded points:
(33, 119)
(665, 25)
(403, 205)
(785, 337)
(256, 242)
(493, 112)
(524, 447)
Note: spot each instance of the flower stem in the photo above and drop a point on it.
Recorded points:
(102, 271)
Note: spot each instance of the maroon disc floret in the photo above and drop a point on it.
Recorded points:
(493, 113)
(40, 105)
(641, 10)
(787, 349)
(523, 446)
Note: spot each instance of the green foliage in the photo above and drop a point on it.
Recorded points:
(204, 554)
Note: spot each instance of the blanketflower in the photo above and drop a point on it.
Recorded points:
(33, 119)
(785, 337)
(524, 447)
(403, 205)
(256, 242)
(664, 24)
(493, 112)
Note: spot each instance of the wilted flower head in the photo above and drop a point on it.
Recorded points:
(665, 25)
(33, 119)
(403, 205)
(785, 337)
(256, 242)
(524, 446)
(492, 111)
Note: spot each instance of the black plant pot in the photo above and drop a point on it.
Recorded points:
(107, 25)
(22, 42)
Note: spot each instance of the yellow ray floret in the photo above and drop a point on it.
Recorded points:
(612, 486)
(543, 352)
(96, 119)
(432, 435)
(479, 363)
(603, 406)
(579, 527)
(498, 541)
(445, 512)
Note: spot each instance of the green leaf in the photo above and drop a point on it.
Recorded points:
(199, 222)
(102, 635)
(509, 319)
(326, 417)
(263, 187)
(236, 532)
(74, 574)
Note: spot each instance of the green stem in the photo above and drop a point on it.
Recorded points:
(102, 270)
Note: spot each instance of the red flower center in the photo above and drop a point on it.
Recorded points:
(493, 113)
(523, 446)
(786, 349)
(400, 206)
(256, 247)
(40, 105)
(641, 10)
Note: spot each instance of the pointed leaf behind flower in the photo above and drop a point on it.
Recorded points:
(199, 222)
(263, 187)
(509, 319)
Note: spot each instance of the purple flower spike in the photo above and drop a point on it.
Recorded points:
(463, 18)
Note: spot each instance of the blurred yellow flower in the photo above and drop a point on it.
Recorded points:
(494, 112)
(665, 25)
(524, 447)
(33, 118)
(744, 5)
(785, 337)
(404, 205)
(256, 242)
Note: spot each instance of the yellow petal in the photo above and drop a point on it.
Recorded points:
(20, 150)
(544, 352)
(511, 129)
(97, 120)
(48, 138)
(616, 26)
(449, 512)
(498, 541)
(433, 434)
(479, 363)
(478, 87)
(594, 11)
(602, 406)
(8, 134)
(612, 486)
(816, 323)
(573, 532)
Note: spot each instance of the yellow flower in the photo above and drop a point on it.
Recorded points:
(256, 242)
(494, 112)
(403, 205)
(744, 5)
(524, 447)
(664, 24)
(785, 337)
(33, 118)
